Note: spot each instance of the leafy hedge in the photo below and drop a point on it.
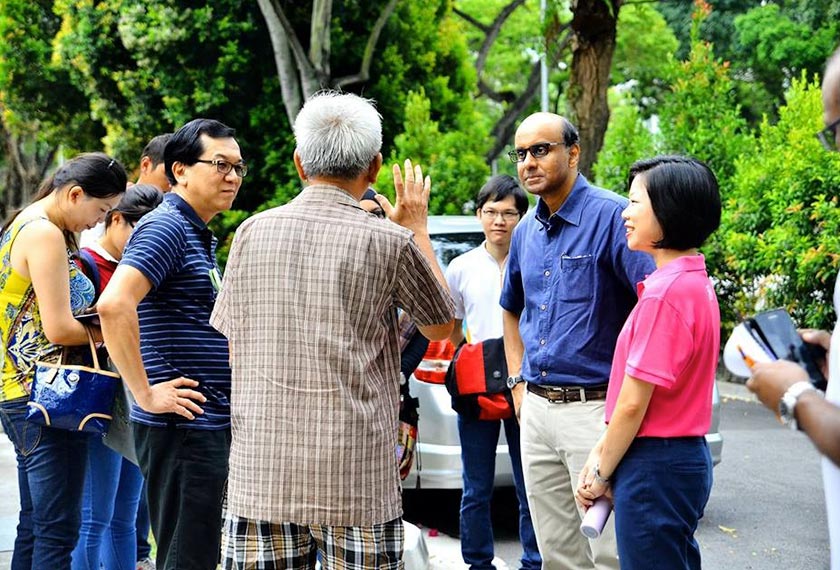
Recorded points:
(779, 240)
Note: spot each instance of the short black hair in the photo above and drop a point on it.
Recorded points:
(500, 187)
(155, 147)
(137, 201)
(571, 136)
(186, 147)
(685, 198)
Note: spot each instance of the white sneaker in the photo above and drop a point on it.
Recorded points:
(146, 564)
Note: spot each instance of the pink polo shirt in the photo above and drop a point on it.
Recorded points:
(672, 340)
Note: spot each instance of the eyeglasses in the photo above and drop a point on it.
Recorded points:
(507, 215)
(224, 167)
(828, 136)
(538, 150)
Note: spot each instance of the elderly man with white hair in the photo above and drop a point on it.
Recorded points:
(309, 304)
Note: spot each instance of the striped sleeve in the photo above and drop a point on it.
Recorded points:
(156, 248)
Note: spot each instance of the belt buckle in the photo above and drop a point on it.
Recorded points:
(582, 395)
(556, 396)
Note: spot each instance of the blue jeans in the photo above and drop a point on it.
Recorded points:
(661, 487)
(478, 457)
(143, 526)
(109, 510)
(51, 471)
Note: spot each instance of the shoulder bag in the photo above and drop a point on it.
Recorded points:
(75, 397)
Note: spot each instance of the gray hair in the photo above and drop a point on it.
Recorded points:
(338, 135)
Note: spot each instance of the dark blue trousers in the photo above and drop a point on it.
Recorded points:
(661, 487)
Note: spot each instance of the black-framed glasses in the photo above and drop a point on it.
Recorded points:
(828, 136)
(538, 150)
(224, 167)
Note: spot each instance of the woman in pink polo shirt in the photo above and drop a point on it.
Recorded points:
(653, 458)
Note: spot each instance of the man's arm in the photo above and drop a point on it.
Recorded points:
(817, 417)
(117, 309)
(457, 333)
(514, 353)
(411, 211)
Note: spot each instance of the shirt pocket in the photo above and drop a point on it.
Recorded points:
(577, 278)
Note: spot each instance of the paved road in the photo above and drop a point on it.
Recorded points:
(766, 510)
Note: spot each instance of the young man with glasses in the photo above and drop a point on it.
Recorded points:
(569, 286)
(155, 321)
(784, 387)
(475, 282)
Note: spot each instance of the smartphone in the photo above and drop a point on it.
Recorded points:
(779, 333)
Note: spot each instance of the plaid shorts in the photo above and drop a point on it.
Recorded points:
(259, 545)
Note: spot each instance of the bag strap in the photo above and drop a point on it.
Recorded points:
(27, 304)
(92, 345)
(90, 269)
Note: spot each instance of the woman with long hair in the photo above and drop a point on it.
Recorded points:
(108, 536)
(41, 290)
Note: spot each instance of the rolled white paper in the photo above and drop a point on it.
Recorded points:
(596, 517)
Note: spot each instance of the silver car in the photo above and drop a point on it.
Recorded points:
(437, 461)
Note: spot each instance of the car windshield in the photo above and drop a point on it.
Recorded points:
(449, 246)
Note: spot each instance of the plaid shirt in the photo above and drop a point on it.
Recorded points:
(307, 303)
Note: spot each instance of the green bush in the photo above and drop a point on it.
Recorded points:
(781, 227)
(454, 160)
(627, 140)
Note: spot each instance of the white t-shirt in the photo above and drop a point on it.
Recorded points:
(475, 282)
(91, 236)
(831, 473)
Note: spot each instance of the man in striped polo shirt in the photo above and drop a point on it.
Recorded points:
(155, 320)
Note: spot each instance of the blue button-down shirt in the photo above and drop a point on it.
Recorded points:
(573, 281)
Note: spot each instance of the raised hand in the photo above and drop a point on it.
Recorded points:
(411, 209)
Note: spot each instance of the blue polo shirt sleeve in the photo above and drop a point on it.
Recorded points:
(513, 294)
(156, 249)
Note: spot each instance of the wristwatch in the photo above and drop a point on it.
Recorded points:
(789, 399)
(513, 381)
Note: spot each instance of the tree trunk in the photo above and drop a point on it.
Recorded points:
(302, 74)
(23, 171)
(286, 70)
(319, 39)
(594, 29)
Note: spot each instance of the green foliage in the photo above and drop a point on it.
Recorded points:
(627, 140)
(700, 116)
(453, 159)
(776, 48)
(148, 66)
(781, 229)
(767, 43)
(421, 48)
(645, 48)
(37, 93)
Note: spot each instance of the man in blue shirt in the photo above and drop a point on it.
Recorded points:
(569, 286)
(155, 317)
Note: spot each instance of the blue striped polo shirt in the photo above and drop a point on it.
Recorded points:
(176, 251)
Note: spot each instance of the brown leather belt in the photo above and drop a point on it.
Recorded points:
(565, 394)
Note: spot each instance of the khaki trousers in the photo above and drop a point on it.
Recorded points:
(556, 440)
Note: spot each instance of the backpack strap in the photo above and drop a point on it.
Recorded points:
(89, 268)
